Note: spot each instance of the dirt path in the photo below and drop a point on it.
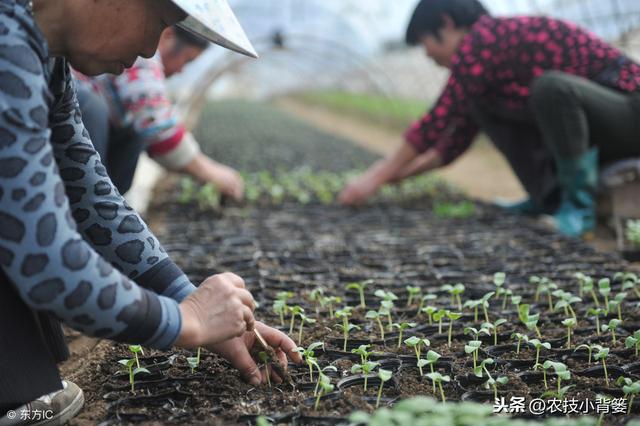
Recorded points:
(482, 172)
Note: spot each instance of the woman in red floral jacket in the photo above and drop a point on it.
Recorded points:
(555, 99)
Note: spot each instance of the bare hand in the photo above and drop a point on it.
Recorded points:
(227, 180)
(220, 309)
(358, 191)
(239, 351)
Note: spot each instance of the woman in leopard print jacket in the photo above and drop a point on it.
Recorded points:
(71, 249)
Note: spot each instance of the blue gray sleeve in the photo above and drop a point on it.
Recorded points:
(53, 268)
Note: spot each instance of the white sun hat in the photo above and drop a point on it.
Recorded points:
(215, 21)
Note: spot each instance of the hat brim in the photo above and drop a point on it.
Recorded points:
(215, 21)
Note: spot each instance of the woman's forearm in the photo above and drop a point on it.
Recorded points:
(425, 162)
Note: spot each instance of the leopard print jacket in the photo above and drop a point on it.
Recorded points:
(69, 243)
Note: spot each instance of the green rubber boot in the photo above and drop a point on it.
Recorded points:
(579, 178)
(524, 207)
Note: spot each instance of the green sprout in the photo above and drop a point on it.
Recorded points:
(325, 387)
(133, 372)
(451, 316)
(416, 343)
(570, 323)
(632, 232)
(520, 338)
(589, 349)
(566, 301)
(494, 326)
(562, 373)
(586, 286)
(431, 361)
(208, 197)
(485, 305)
(280, 308)
(455, 291)
(413, 293)
(316, 295)
(616, 304)
(473, 304)
(630, 388)
(612, 327)
(309, 356)
(437, 379)
(602, 355)
(597, 313)
(363, 351)
(387, 304)
(604, 288)
(366, 369)
(194, 361)
(135, 350)
(187, 190)
(346, 326)
(374, 315)
(330, 302)
(295, 311)
(430, 311)
(304, 319)
(629, 282)
(529, 320)
(472, 348)
(266, 360)
(322, 371)
(384, 376)
(633, 341)
(491, 383)
(544, 286)
(402, 327)
(359, 287)
(424, 299)
(538, 345)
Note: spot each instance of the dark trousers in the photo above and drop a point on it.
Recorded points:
(566, 116)
(31, 346)
(119, 147)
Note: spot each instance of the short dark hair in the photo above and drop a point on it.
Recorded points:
(187, 38)
(427, 17)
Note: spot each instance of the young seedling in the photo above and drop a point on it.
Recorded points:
(437, 379)
(325, 387)
(586, 287)
(494, 326)
(135, 350)
(520, 338)
(330, 302)
(544, 286)
(491, 382)
(616, 304)
(133, 372)
(416, 343)
(633, 341)
(601, 355)
(597, 313)
(322, 373)
(485, 305)
(473, 304)
(194, 361)
(570, 323)
(604, 288)
(346, 326)
(472, 348)
(365, 368)
(316, 295)
(295, 311)
(451, 316)
(566, 301)
(439, 316)
(424, 299)
(208, 197)
(589, 349)
(455, 291)
(363, 351)
(304, 319)
(430, 311)
(309, 356)
(187, 190)
(387, 304)
(538, 345)
(359, 287)
(266, 360)
(414, 293)
(401, 328)
(629, 282)
(612, 327)
(384, 376)
(529, 320)
(280, 308)
(374, 315)
(630, 388)
(562, 373)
